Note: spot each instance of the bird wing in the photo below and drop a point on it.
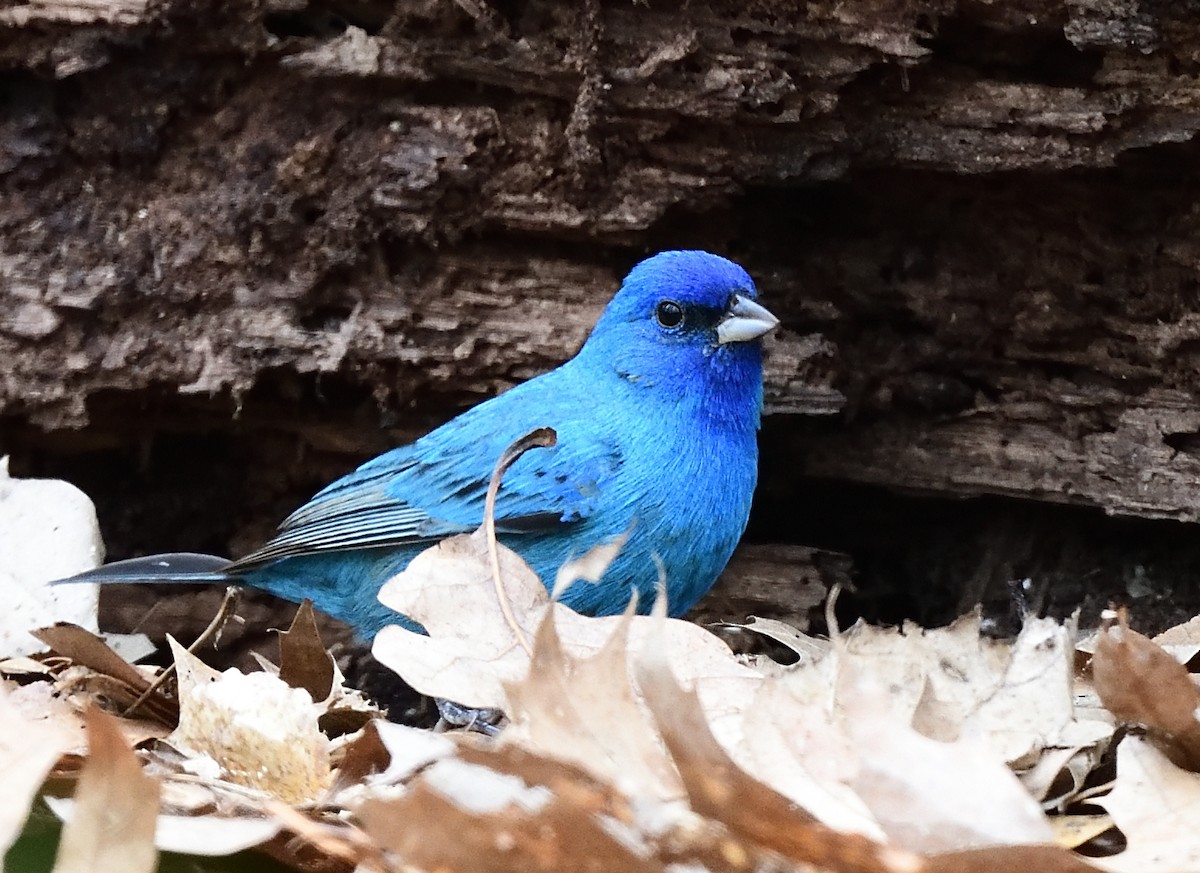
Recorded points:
(436, 487)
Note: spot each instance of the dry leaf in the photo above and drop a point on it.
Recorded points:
(1060, 774)
(930, 796)
(792, 742)
(303, 660)
(85, 647)
(1031, 707)
(409, 750)
(719, 789)
(1016, 696)
(27, 752)
(360, 755)
(212, 835)
(1141, 683)
(815, 739)
(48, 531)
(589, 566)
(1071, 831)
(802, 644)
(586, 711)
(108, 675)
(111, 823)
(1182, 641)
(1036, 859)
(261, 732)
(471, 819)
(1155, 804)
(49, 712)
(471, 652)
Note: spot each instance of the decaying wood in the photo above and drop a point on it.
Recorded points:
(976, 219)
(785, 583)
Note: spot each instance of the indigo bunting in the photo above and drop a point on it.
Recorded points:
(656, 416)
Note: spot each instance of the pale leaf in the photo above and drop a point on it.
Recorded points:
(792, 742)
(719, 789)
(471, 652)
(48, 531)
(1156, 805)
(589, 566)
(807, 647)
(928, 795)
(261, 732)
(27, 752)
(586, 711)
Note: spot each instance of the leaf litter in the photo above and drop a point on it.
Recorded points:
(633, 742)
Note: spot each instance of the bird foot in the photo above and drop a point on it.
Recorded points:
(455, 715)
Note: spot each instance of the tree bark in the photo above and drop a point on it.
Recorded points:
(331, 225)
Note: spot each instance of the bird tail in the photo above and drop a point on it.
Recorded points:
(174, 567)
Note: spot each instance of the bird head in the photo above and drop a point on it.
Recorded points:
(688, 325)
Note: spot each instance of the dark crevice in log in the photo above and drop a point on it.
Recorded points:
(194, 477)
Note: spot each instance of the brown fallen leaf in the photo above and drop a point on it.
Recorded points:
(86, 648)
(115, 809)
(338, 846)
(1140, 683)
(1006, 859)
(468, 818)
(667, 834)
(361, 756)
(111, 676)
(304, 661)
(409, 750)
(561, 778)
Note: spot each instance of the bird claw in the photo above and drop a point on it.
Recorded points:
(455, 715)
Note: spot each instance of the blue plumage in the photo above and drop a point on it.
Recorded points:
(656, 419)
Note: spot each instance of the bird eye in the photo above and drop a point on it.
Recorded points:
(669, 314)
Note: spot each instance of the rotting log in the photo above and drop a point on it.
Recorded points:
(977, 221)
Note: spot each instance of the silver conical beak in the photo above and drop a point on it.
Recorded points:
(744, 321)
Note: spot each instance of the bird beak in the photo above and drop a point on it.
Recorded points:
(744, 321)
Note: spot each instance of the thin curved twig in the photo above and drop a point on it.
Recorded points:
(228, 605)
(543, 437)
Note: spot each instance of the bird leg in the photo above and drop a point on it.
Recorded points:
(455, 715)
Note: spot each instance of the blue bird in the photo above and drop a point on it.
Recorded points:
(657, 419)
